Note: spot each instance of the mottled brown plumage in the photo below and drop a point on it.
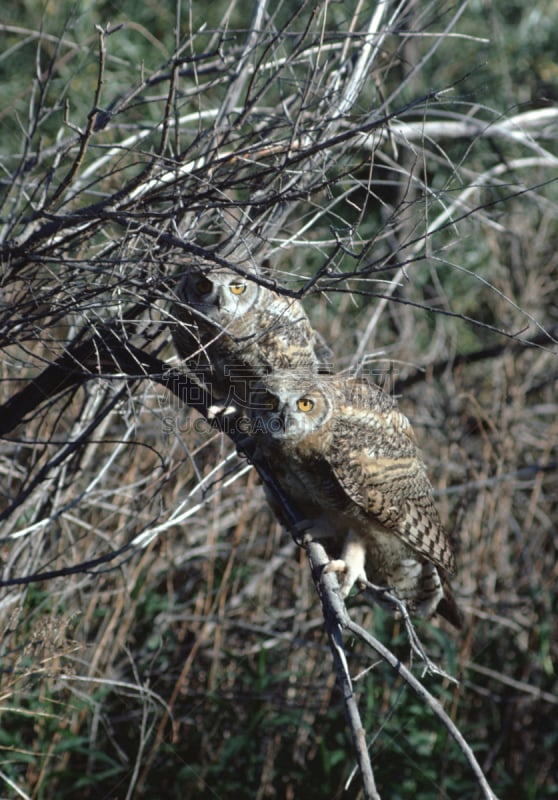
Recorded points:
(346, 459)
(232, 332)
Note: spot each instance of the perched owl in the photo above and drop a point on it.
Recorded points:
(346, 460)
(232, 332)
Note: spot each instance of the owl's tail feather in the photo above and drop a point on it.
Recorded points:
(448, 608)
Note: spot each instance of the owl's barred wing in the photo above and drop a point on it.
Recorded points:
(421, 528)
(398, 494)
(386, 478)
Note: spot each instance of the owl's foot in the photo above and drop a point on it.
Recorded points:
(340, 568)
(347, 575)
(350, 567)
(336, 565)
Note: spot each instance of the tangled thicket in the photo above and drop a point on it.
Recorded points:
(161, 634)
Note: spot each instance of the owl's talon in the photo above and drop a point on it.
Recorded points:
(336, 565)
(345, 575)
(339, 568)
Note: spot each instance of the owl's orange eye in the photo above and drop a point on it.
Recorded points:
(203, 285)
(305, 405)
(237, 288)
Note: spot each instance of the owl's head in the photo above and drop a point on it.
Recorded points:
(291, 406)
(218, 294)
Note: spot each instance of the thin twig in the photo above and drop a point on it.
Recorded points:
(85, 137)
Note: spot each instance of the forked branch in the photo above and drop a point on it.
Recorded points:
(337, 619)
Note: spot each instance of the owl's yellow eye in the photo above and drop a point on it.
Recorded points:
(305, 405)
(203, 285)
(237, 288)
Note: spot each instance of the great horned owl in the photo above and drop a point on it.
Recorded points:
(232, 332)
(346, 460)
